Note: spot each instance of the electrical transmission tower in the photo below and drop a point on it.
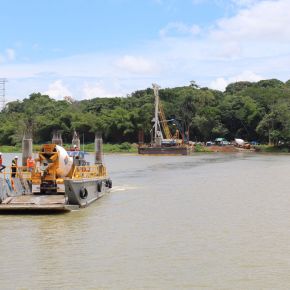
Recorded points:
(2, 93)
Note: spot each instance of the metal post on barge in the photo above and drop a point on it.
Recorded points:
(76, 142)
(57, 138)
(156, 115)
(98, 148)
(27, 144)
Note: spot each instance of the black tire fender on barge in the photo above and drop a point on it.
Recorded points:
(99, 186)
(83, 193)
(109, 183)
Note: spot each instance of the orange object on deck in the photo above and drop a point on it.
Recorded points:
(30, 162)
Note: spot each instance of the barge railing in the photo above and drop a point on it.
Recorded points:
(89, 171)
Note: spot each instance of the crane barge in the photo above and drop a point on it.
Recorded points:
(162, 141)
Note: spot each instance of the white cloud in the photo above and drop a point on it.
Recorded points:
(265, 21)
(96, 90)
(229, 50)
(179, 28)
(10, 54)
(227, 3)
(244, 3)
(58, 90)
(135, 64)
(221, 83)
(7, 56)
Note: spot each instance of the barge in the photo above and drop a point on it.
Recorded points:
(162, 150)
(61, 181)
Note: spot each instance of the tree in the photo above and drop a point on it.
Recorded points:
(276, 124)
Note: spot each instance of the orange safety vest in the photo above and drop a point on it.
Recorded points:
(30, 162)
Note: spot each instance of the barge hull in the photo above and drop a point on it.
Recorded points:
(164, 150)
(85, 191)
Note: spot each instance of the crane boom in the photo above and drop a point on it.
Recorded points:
(163, 121)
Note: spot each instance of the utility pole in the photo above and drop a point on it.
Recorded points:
(2, 93)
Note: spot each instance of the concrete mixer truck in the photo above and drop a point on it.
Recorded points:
(52, 166)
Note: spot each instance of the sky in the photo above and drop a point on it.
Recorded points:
(105, 48)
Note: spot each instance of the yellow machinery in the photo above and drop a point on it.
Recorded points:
(53, 165)
(166, 129)
(163, 121)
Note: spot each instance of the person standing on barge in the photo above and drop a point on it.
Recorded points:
(14, 166)
(30, 163)
(2, 167)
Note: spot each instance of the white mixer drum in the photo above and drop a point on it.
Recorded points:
(240, 142)
(65, 162)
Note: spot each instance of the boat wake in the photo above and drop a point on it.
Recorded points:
(122, 188)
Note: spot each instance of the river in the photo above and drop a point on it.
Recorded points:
(207, 221)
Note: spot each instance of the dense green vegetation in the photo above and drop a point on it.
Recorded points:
(253, 111)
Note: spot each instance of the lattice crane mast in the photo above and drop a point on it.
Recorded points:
(159, 118)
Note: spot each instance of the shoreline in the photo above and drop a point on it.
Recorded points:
(128, 148)
(107, 148)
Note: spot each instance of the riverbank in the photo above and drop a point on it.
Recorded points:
(90, 147)
(232, 149)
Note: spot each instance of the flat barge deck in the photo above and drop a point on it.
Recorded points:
(36, 203)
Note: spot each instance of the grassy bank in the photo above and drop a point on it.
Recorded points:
(10, 149)
(258, 148)
(200, 148)
(114, 148)
(107, 148)
(273, 149)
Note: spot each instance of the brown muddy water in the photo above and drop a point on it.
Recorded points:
(207, 221)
